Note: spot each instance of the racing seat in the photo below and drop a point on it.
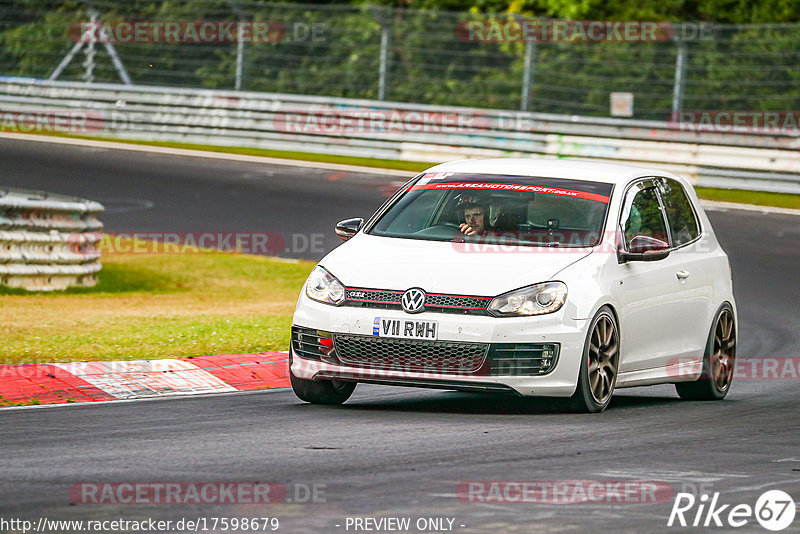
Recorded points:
(507, 216)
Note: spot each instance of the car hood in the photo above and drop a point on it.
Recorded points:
(443, 267)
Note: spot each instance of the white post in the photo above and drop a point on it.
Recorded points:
(680, 77)
(527, 74)
(239, 58)
(384, 66)
(88, 62)
(386, 43)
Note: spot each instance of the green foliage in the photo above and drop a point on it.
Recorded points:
(721, 11)
(747, 67)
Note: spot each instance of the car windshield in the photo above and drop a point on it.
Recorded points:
(491, 208)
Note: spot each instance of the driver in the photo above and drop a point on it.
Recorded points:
(474, 218)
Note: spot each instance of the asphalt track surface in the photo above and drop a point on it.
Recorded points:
(396, 451)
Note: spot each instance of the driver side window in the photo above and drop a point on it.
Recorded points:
(645, 219)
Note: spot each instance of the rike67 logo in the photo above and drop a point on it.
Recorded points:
(774, 510)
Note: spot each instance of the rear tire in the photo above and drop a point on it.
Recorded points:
(597, 377)
(718, 361)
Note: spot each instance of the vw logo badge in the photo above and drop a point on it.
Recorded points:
(413, 300)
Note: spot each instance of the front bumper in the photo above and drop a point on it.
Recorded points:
(552, 329)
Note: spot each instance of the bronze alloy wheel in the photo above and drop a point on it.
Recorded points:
(599, 364)
(603, 357)
(723, 352)
(718, 362)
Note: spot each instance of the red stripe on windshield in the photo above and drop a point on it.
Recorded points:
(491, 186)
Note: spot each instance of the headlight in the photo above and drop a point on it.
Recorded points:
(537, 299)
(322, 286)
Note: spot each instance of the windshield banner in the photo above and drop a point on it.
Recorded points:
(522, 188)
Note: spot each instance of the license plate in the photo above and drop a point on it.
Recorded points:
(405, 328)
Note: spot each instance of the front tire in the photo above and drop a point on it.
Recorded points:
(599, 365)
(718, 361)
(320, 391)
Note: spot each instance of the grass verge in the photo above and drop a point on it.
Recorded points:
(759, 198)
(30, 402)
(145, 306)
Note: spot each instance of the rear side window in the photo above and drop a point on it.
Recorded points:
(682, 220)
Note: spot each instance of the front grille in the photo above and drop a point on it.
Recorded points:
(439, 357)
(374, 296)
(389, 354)
(435, 302)
(456, 301)
(523, 359)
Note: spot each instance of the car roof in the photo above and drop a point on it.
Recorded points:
(575, 169)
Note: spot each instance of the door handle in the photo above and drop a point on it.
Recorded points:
(682, 275)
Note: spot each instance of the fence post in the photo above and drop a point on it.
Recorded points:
(88, 62)
(239, 58)
(237, 11)
(527, 74)
(680, 77)
(386, 43)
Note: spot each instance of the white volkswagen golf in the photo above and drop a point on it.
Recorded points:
(534, 277)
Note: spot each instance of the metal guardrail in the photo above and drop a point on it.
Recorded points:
(753, 161)
(48, 241)
(357, 50)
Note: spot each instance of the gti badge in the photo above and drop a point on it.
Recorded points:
(413, 300)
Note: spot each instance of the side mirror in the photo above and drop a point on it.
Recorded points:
(348, 228)
(644, 248)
